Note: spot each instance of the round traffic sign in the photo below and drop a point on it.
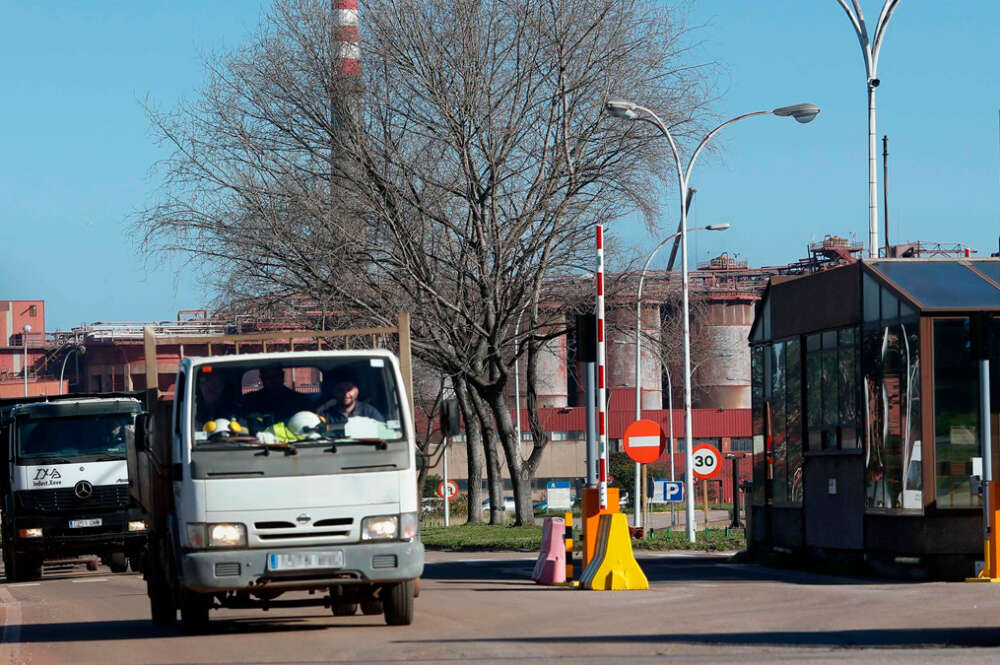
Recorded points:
(705, 461)
(644, 441)
(452, 489)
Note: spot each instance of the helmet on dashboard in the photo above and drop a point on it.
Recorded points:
(306, 425)
(222, 427)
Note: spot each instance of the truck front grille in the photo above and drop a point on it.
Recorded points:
(64, 500)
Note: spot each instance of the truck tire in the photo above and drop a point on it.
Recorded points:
(22, 567)
(161, 602)
(135, 562)
(194, 611)
(397, 601)
(344, 609)
(118, 562)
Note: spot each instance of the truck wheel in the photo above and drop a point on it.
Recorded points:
(371, 607)
(344, 609)
(161, 602)
(397, 601)
(135, 562)
(23, 567)
(194, 611)
(117, 562)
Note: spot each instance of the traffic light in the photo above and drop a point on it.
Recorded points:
(450, 425)
(586, 338)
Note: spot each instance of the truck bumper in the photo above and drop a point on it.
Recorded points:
(59, 539)
(365, 563)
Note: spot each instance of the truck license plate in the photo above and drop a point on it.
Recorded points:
(76, 524)
(305, 560)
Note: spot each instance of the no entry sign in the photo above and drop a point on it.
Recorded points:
(706, 461)
(451, 487)
(644, 441)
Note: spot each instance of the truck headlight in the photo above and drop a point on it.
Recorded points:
(384, 527)
(138, 525)
(29, 533)
(227, 535)
(200, 535)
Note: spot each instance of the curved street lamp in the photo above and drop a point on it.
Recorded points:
(638, 357)
(870, 51)
(77, 348)
(620, 108)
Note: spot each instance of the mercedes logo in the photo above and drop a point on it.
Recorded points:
(83, 490)
(303, 518)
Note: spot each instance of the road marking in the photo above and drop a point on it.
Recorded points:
(11, 633)
(20, 584)
(90, 579)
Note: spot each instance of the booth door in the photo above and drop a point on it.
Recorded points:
(834, 500)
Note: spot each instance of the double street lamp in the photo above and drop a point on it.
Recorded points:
(624, 109)
(639, 494)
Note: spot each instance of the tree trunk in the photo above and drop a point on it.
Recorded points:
(494, 474)
(473, 443)
(524, 513)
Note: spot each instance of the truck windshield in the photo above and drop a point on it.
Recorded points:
(74, 436)
(296, 401)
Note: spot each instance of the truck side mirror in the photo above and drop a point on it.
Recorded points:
(141, 424)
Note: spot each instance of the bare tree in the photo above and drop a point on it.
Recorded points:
(458, 180)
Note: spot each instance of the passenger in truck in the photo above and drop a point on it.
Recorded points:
(274, 398)
(215, 399)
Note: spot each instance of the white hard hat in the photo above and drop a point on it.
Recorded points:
(305, 424)
(222, 427)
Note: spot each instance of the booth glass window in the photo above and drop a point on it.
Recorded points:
(776, 398)
(776, 403)
(890, 395)
(831, 389)
(793, 418)
(757, 414)
(956, 414)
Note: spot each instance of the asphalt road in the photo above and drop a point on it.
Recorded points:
(484, 608)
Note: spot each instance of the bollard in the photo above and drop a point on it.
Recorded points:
(568, 542)
(551, 565)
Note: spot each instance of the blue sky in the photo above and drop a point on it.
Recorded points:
(77, 148)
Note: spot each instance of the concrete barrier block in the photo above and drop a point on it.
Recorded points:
(613, 566)
(551, 565)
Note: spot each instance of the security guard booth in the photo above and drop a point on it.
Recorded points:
(866, 414)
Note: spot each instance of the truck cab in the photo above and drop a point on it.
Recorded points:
(65, 490)
(281, 472)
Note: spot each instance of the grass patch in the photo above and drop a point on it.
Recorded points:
(714, 540)
(479, 537)
(485, 537)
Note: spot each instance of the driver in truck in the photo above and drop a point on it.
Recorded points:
(345, 403)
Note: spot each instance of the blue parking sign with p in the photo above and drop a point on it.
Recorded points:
(669, 491)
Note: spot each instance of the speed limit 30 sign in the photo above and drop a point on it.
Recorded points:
(705, 461)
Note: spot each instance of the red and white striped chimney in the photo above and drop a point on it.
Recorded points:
(347, 49)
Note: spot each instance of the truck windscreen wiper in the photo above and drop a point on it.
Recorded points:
(378, 443)
(44, 459)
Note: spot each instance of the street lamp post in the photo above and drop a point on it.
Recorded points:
(24, 369)
(870, 51)
(77, 348)
(623, 109)
(638, 355)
